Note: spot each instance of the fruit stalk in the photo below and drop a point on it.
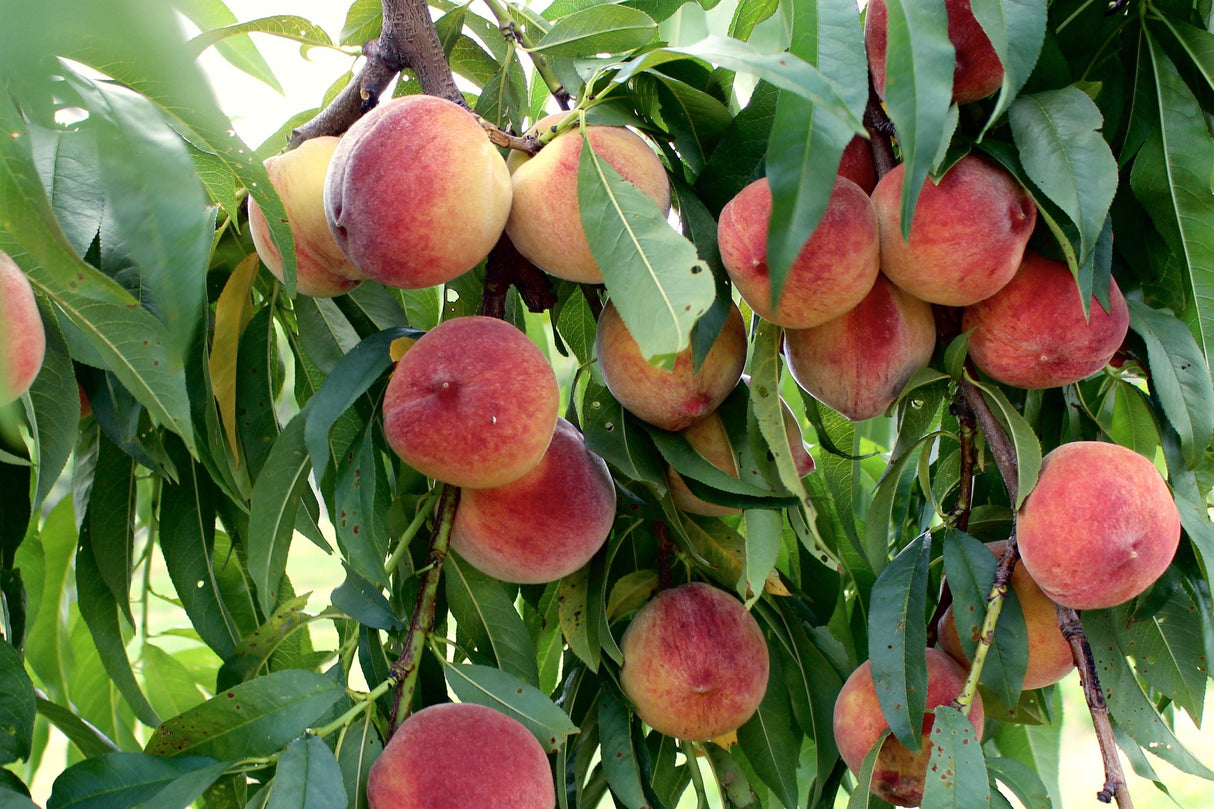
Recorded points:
(404, 671)
(408, 40)
(1068, 620)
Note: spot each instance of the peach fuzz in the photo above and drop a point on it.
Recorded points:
(967, 236)
(545, 223)
(416, 195)
(977, 71)
(472, 403)
(21, 332)
(1049, 652)
(899, 774)
(695, 662)
(1099, 527)
(544, 525)
(1032, 333)
(858, 363)
(833, 271)
(670, 399)
(299, 178)
(461, 754)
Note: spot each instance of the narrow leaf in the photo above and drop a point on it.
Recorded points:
(18, 706)
(127, 780)
(1024, 439)
(308, 777)
(600, 29)
(502, 691)
(1016, 29)
(956, 773)
(769, 741)
(53, 408)
(484, 611)
(275, 503)
(619, 757)
(287, 26)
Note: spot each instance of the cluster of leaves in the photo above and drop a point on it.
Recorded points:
(229, 415)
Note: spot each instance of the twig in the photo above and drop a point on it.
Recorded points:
(1115, 786)
(880, 130)
(404, 671)
(507, 266)
(409, 40)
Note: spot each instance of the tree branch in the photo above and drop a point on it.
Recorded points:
(880, 130)
(409, 40)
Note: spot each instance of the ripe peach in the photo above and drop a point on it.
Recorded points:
(416, 194)
(21, 333)
(834, 270)
(967, 236)
(472, 403)
(859, 362)
(545, 224)
(1032, 333)
(857, 164)
(299, 178)
(1099, 527)
(1049, 652)
(977, 72)
(544, 525)
(671, 399)
(858, 722)
(461, 754)
(695, 662)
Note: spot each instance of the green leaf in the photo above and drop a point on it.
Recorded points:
(170, 685)
(748, 14)
(956, 773)
(18, 706)
(1021, 780)
(689, 463)
(502, 691)
(363, 601)
(239, 51)
(1058, 136)
(658, 283)
(272, 512)
(267, 642)
(53, 408)
(619, 756)
(580, 632)
(287, 26)
(67, 162)
(1165, 646)
(602, 29)
(918, 89)
(46, 646)
(357, 749)
(127, 780)
(897, 636)
(740, 151)
(618, 438)
(862, 797)
(88, 740)
(805, 147)
(1179, 377)
(1189, 163)
(484, 612)
(359, 513)
(250, 720)
(1126, 416)
(1024, 439)
(1037, 747)
(364, 21)
(111, 519)
(308, 777)
(1016, 29)
(103, 615)
(770, 743)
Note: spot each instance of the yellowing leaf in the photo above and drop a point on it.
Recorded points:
(232, 314)
(399, 346)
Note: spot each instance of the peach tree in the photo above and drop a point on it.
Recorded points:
(793, 307)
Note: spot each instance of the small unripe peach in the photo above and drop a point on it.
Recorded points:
(833, 271)
(545, 222)
(859, 362)
(671, 399)
(22, 337)
(1099, 527)
(899, 774)
(299, 178)
(546, 524)
(1033, 333)
(695, 662)
(473, 403)
(967, 236)
(416, 194)
(461, 755)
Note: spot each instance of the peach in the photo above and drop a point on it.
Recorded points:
(857, 164)
(859, 362)
(545, 223)
(461, 754)
(1099, 527)
(977, 72)
(832, 273)
(299, 178)
(899, 774)
(1032, 333)
(967, 236)
(416, 195)
(472, 403)
(544, 525)
(695, 662)
(21, 333)
(1049, 652)
(670, 399)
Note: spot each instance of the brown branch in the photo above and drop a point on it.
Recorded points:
(409, 40)
(965, 494)
(880, 131)
(1115, 786)
(506, 266)
(520, 143)
(998, 441)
